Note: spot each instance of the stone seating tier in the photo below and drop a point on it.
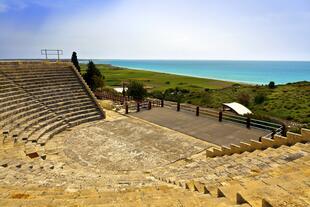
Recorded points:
(39, 100)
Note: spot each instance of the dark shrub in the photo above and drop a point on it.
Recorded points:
(184, 90)
(271, 85)
(260, 98)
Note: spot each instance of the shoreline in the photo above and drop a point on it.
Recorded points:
(242, 72)
(186, 75)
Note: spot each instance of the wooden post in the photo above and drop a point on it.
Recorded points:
(150, 105)
(284, 130)
(220, 116)
(248, 122)
(162, 103)
(126, 108)
(178, 106)
(138, 106)
(197, 111)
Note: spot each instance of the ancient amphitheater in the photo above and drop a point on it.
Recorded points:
(59, 148)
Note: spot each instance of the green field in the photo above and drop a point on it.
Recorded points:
(289, 103)
(157, 81)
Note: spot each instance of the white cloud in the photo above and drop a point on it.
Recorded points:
(161, 29)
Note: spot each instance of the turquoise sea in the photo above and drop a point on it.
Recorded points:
(255, 72)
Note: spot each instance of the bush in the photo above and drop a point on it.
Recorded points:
(244, 99)
(158, 94)
(183, 90)
(271, 85)
(206, 99)
(260, 98)
(136, 90)
(167, 82)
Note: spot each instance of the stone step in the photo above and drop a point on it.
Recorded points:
(12, 98)
(12, 106)
(46, 129)
(41, 92)
(258, 191)
(64, 96)
(38, 81)
(15, 101)
(10, 93)
(75, 107)
(38, 73)
(22, 111)
(32, 127)
(48, 87)
(84, 120)
(28, 121)
(68, 103)
(33, 86)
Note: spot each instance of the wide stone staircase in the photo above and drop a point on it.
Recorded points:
(158, 196)
(271, 177)
(39, 100)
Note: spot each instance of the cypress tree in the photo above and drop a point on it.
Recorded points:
(93, 77)
(75, 61)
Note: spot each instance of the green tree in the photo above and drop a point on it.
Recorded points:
(136, 90)
(75, 61)
(93, 77)
(271, 85)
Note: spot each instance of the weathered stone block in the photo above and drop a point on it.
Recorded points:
(218, 152)
(200, 187)
(305, 133)
(226, 150)
(235, 148)
(256, 144)
(246, 147)
(280, 140)
(266, 142)
(293, 137)
(209, 153)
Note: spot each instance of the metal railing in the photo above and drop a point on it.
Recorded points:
(51, 52)
(274, 128)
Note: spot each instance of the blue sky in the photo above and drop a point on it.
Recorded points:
(157, 29)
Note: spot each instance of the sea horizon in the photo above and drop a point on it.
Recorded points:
(242, 71)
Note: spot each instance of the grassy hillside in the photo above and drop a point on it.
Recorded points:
(289, 102)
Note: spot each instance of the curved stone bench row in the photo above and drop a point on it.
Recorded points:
(45, 75)
(264, 172)
(41, 100)
(34, 86)
(290, 139)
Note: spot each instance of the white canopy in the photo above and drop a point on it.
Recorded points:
(238, 108)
